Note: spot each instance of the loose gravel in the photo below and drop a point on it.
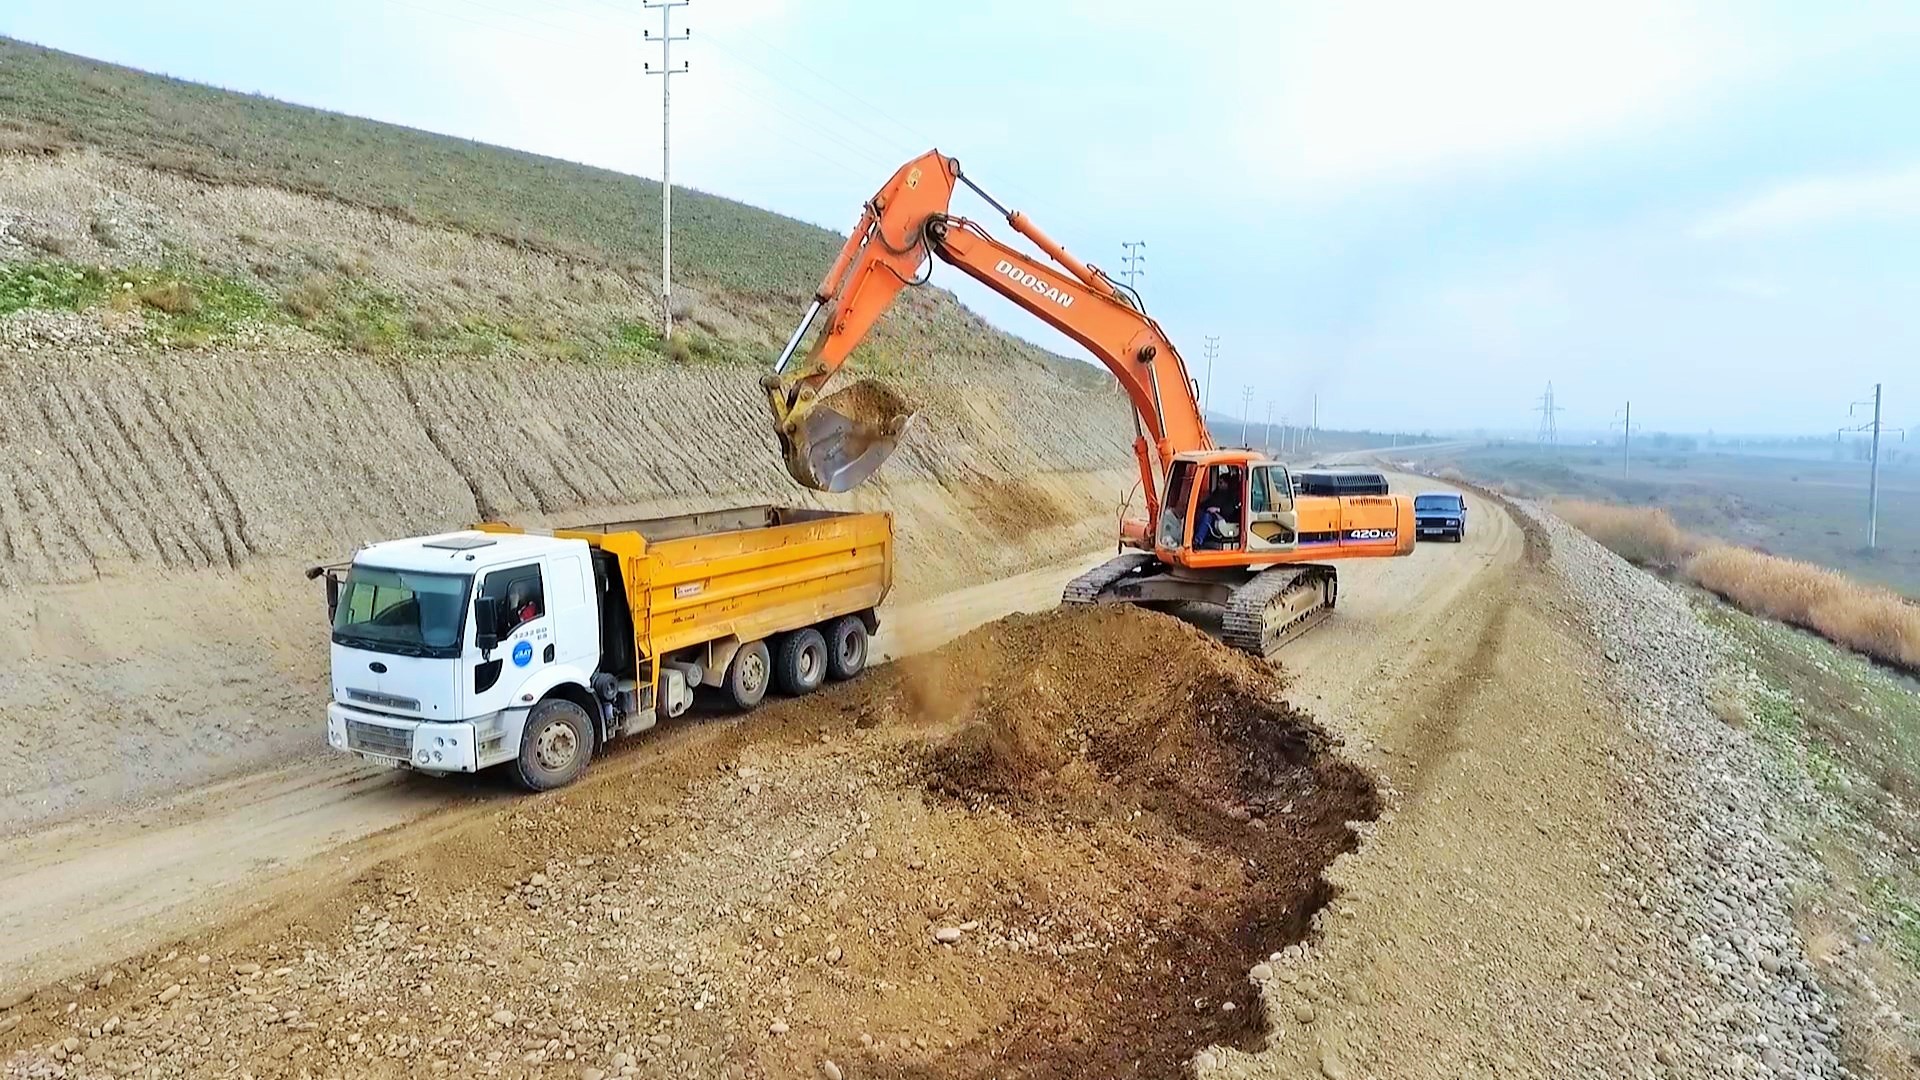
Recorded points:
(1725, 977)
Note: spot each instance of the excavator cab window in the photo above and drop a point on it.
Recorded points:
(1220, 515)
(1171, 530)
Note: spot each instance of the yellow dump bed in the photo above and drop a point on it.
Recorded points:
(741, 575)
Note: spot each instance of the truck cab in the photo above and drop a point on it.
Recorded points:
(442, 645)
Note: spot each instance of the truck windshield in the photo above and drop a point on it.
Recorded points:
(401, 611)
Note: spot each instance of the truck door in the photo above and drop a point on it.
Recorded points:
(1272, 524)
(519, 596)
(575, 614)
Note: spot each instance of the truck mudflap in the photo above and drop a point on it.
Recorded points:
(427, 746)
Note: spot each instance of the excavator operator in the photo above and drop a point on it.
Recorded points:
(1219, 524)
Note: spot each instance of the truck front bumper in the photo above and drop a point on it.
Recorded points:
(429, 746)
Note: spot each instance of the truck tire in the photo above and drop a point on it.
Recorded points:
(801, 666)
(846, 647)
(554, 747)
(748, 675)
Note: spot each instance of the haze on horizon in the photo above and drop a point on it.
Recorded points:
(1421, 214)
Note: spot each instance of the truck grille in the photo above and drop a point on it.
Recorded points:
(375, 739)
(384, 701)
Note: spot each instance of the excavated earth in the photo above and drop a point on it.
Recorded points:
(1053, 848)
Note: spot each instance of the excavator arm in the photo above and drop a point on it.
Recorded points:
(903, 227)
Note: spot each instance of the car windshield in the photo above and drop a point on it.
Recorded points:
(1436, 502)
(401, 611)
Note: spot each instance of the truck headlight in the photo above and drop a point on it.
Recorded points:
(422, 757)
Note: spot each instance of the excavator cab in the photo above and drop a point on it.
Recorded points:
(1230, 504)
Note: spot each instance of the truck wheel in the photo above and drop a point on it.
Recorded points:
(846, 647)
(554, 747)
(802, 664)
(748, 675)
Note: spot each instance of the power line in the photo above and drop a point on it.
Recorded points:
(666, 72)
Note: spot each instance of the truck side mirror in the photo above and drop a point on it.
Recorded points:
(333, 597)
(486, 624)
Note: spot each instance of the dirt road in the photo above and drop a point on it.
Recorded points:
(97, 888)
(91, 892)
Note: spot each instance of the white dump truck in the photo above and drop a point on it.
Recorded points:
(500, 646)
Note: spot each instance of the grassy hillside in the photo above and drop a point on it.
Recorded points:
(53, 99)
(174, 201)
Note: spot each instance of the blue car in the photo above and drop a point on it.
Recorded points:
(1440, 515)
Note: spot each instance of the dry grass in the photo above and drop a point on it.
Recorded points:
(1642, 535)
(1862, 617)
(172, 297)
(310, 299)
(1865, 618)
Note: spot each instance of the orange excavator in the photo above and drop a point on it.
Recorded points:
(1223, 526)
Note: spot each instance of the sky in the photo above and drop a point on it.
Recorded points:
(1419, 213)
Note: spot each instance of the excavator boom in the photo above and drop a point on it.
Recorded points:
(906, 224)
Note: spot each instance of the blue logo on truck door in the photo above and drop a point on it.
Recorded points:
(523, 654)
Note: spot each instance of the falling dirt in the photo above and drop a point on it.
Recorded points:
(1053, 848)
(1013, 507)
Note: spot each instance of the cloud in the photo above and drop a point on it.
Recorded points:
(1885, 195)
(1364, 90)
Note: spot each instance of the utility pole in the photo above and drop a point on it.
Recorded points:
(1246, 405)
(1313, 430)
(1213, 350)
(1873, 467)
(1134, 262)
(1626, 441)
(1266, 441)
(666, 72)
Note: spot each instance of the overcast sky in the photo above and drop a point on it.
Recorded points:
(1423, 211)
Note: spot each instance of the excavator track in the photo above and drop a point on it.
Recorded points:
(1086, 588)
(1278, 605)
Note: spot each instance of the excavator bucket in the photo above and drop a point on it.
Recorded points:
(835, 443)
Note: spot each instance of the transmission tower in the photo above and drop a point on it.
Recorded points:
(1549, 430)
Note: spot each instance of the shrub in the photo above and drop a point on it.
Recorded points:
(678, 350)
(1862, 617)
(310, 299)
(1642, 535)
(172, 297)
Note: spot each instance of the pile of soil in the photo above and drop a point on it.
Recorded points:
(1052, 849)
